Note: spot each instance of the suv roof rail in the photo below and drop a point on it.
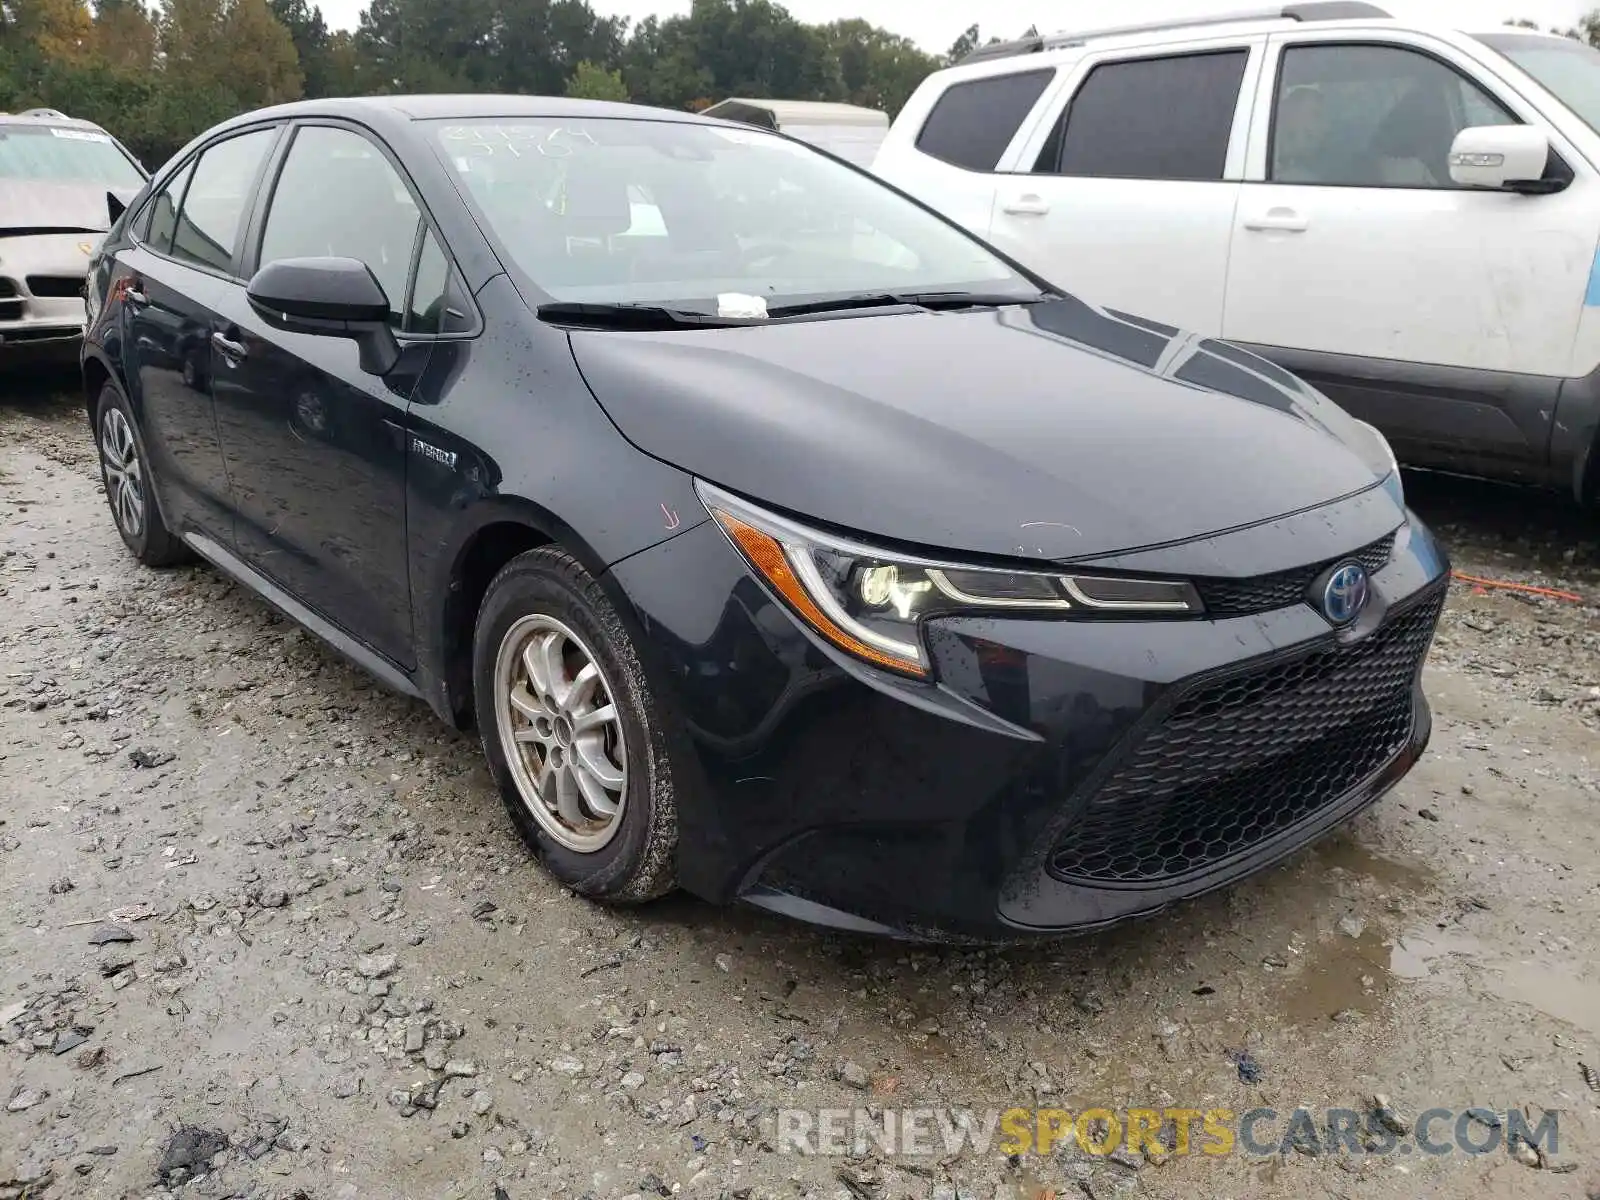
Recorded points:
(1310, 10)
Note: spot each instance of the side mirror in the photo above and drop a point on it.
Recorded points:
(1502, 157)
(329, 297)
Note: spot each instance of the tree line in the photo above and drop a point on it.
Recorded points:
(1587, 30)
(156, 73)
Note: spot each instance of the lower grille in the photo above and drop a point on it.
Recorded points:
(1268, 593)
(33, 333)
(56, 287)
(1242, 759)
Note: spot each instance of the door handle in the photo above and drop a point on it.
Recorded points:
(134, 298)
(1284, 220)
(233, 353)
(1029, 205)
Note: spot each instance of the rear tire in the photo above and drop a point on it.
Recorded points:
(130, 489)
(574, 734)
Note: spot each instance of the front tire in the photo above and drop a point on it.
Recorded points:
(130, 490)
(573, 731)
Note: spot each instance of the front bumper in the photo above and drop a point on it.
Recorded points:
(50, 331)
(42, 310)
(1060, 776)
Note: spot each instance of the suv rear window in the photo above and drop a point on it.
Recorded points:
(1151, 118)
(972, 123)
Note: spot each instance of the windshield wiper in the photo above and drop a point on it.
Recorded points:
(631, 316)
(933, 300)
(659, 316)
(44, 230)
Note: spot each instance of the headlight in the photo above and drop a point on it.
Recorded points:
(869, 602)
(1381, 455)
(1381, 444)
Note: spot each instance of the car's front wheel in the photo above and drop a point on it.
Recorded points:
(130, 491)
(575, 737)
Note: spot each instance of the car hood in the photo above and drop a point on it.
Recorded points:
(1049, 431)
(28, 204)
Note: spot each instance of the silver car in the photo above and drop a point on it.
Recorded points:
(55, 176)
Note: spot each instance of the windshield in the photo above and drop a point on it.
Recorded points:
(53, 154)
(613, 211)
(1568, 69)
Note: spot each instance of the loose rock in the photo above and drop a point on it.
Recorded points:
(376, 966)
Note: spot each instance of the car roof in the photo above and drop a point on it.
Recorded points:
(467, 107)
(46, 117)
(1050, 50)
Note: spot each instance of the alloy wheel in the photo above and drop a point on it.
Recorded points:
(562, 733)
(124, 474)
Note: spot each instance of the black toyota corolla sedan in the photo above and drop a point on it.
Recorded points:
(782, 541)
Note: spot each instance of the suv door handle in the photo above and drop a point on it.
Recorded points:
(1027, 205)
(233, 353)
(1286, 220)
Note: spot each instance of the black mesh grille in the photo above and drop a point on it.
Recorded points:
(56, 287)
(7, 288)
(1241, 759)
(1265, 593)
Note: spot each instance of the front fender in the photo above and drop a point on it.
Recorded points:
(1575, 436)
(518, 457)
(448, 586)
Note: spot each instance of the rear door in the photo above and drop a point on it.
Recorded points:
(1441, 314)
(944, 148)
(316, 447)
(176, 278)
(1125, 191)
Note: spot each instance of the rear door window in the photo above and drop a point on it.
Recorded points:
(218, 196)
(159, 221)
(972, 123)
(1150, 118)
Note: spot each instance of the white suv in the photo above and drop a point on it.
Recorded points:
(1408, 218)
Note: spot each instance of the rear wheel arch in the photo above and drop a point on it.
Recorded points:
(96, 374)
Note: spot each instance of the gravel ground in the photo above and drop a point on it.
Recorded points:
(267, 932)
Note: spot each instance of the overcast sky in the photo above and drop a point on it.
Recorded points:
(935, 24)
